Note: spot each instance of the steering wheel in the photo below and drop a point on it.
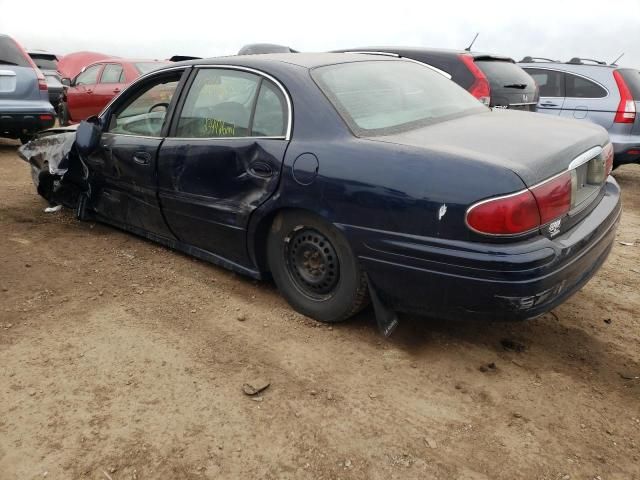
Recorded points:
(161, 104)
(150, 125)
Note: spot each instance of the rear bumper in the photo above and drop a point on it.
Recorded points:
(15, 125)
(452, 279)
(626, 149)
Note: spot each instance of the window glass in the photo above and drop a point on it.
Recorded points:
(89, 76)
(270, 115)
(10, 54)
(550, 82)
(384, 97)
(580, 87)
(632, 79)
(146, 67)
(218, 104)
(44, 62)
(145, 113)
(502, 73)
(112, 73)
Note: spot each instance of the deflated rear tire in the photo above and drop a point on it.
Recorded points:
(314, 268)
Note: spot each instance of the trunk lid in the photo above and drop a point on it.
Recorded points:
(533, 146)
(511, 86)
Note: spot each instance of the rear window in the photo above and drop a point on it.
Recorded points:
(503, 74)
(632, 79)
(10, 54)
(146, 67)
(385, 97)
(44, 62)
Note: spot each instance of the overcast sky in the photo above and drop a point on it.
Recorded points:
(557, 29)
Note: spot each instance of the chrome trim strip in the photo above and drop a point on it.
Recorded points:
(585, 157)
(396, 55)
(269, 77)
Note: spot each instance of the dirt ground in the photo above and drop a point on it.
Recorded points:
(120, 359)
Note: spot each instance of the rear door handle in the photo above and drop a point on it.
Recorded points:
(142, 158)
(116, 90)
(89, 90)
(549, 104)
(261, 169)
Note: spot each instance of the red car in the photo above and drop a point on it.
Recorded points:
(94, 87)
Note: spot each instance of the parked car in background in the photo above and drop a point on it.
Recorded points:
(494, 80)
(349, 176)
(97, 84)
(259, 48)
(24, 97)
(48, 65)
(587, 89)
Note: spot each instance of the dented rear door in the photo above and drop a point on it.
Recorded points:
(223, 158)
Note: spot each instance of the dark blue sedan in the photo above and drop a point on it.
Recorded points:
(350, 177)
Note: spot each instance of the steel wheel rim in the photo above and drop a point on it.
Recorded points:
(312, 263)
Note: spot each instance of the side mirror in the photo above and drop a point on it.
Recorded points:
(88, 135)
(66, 82)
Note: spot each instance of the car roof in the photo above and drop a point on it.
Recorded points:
(305, 60)
(434, 51)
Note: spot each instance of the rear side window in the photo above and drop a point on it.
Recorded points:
(503, 74)
(580, 87)
(218, 104)
(10, 54)
(112, 73)
(269, 117)
(550, 82)
(89, 76)
(632, 79)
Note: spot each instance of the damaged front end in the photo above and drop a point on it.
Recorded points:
(59, 174)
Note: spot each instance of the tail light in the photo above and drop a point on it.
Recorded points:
(607, 151)
(480, 87)
(626, 112)
(507, 215)
(42, 82)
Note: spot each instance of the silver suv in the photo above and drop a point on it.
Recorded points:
(592, 90)
(24, 97)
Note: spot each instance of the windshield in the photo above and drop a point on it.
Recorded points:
(146, 67)
(44, 62)
(385, 97)
(503, 74)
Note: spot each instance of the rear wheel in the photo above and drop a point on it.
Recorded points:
(63, 114)
(24, 139)
(314, 268)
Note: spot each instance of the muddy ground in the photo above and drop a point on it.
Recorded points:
(120, 359)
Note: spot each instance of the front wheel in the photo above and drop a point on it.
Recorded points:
(314, 268)
(63, 114)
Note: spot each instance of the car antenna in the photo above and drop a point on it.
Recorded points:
(615, 62)
(468, 49)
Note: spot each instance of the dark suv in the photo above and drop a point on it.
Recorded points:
(495, 80)
(24, 97)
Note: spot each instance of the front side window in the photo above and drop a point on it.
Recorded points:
(550, 82)
(89, 76)
(145, 113)
(112, 73)
(385, 97)
(579, 87)
(219, 104)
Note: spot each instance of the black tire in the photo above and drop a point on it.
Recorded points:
(314, 268)
(24, 139)
(63, 114)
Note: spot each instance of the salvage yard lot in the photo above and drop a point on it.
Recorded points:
(122, 359)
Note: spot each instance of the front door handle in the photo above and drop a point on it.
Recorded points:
(548, 104)
(116, 90)
(142, 158)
